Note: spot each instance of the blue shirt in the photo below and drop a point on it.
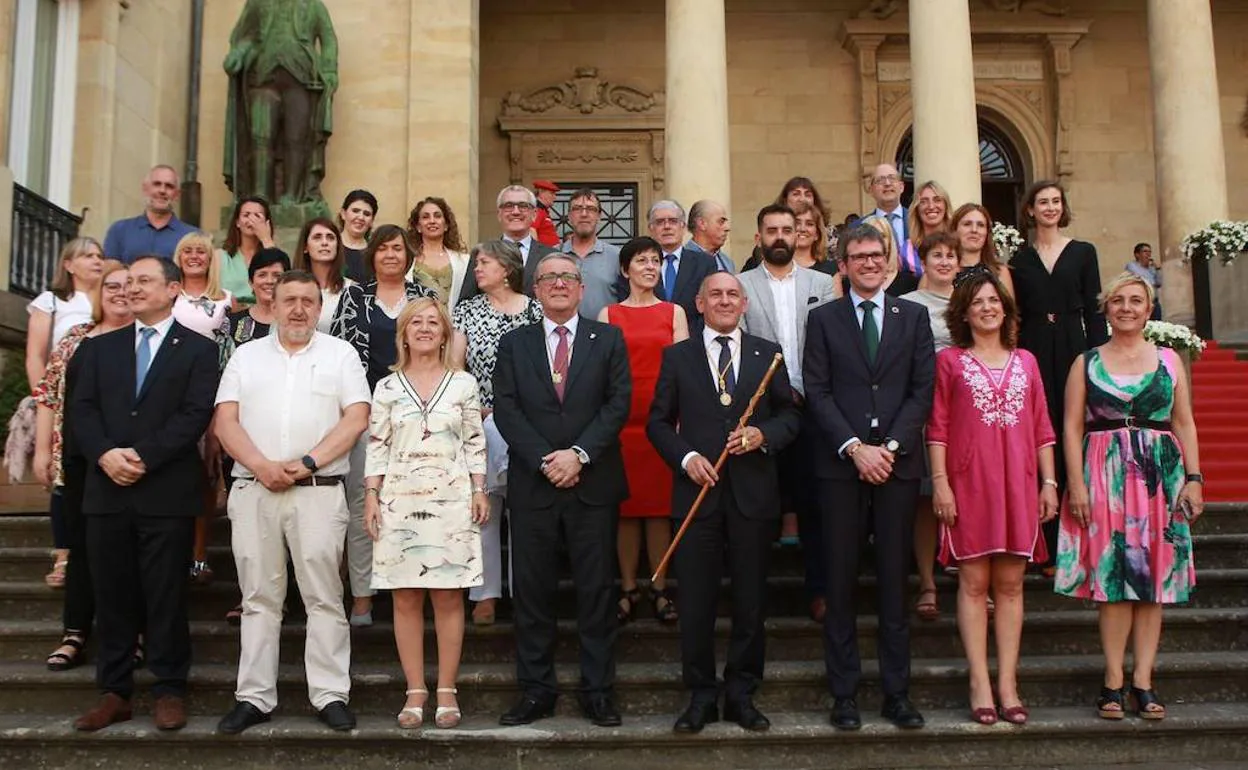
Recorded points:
(722, 261)
(128, 239)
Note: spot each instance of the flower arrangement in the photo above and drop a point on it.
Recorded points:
(1007, 240)
(1221, 239)
(1177, 337)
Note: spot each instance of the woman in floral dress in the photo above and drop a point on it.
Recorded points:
(1133, 470)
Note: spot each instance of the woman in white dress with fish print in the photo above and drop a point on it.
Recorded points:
(425, 500)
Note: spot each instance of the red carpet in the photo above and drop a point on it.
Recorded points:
(1220, 402)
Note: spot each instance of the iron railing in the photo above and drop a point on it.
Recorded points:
(40, 230)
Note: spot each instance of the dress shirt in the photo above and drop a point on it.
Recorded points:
(288, 402)
(878, 314)
(711, 342)
(525, 245)
(162, 331)
(784, 296)
(552, 344)
(898, 224)
(723, 262)
(663, 269)
(1150, 274)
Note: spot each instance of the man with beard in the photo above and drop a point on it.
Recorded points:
(157, 230)
(599, 260)
(782, 295)
(705, 383)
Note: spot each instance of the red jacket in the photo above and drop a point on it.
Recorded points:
(544, 228)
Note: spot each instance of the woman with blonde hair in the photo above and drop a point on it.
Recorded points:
(929, 213)
(425, 500)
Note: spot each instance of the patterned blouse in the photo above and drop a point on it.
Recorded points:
(50, 393)
(484, 325)
(236, 328)
(359, 313)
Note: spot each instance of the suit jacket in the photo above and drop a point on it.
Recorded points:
(537, 250)
(844, 391)
(686, 416)
(163, 423)
(528, 413)
(695, 265)
(813, 290)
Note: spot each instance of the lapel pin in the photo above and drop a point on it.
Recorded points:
(593, 336)
(176, 340)
(755, 352)
(895, 310)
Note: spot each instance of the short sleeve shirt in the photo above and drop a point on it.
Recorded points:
(128, 239)
(69, 312)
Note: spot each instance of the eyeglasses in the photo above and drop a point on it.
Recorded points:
(584, 209)
(667, 222)
(515, 206)
(890, 179)
(550, 279)
(874, 256)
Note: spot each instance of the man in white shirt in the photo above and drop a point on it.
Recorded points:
(708, 229)
(289, 409)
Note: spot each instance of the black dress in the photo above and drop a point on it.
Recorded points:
(353, 265)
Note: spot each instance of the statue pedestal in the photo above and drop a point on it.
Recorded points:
(288, 219)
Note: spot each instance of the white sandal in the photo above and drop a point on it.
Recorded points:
(447, 717)
(412, 717)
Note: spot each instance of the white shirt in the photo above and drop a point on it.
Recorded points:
(710, 340)
(329, 305)
(288, 402)
(878, 314)
(69, 313)
(784, 295)
(162, 331)
(525, 245)
(552, 337)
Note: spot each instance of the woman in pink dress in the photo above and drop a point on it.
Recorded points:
(993, 481)
(649, 325)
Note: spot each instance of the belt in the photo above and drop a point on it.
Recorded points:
(1130, 423)
(320, 481)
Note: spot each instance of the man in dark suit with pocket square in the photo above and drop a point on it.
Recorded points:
(562, 393)
(143, 400)
(869, 372)
(705, 383)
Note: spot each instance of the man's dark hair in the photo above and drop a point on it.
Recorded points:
(857, 233)
(773, 208)
(172, 273)
(1140, 247)
(585, 192)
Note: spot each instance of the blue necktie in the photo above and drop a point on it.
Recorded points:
(669, 277)
(143, 358)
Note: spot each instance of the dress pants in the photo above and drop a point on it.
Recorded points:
(359, 544)
(800, 490)
(590, 533)
(851, 509)
(79, 610)
(746, 542)
(139, 565)
(312, 522)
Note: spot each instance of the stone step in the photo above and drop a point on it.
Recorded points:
(1195, 737)
(656, 688)
(1044, 633)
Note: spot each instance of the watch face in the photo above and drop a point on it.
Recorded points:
(892, 446)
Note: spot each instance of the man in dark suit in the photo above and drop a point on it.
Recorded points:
(517, 207)
(143, 400)
(562, 392)
(683, 268)
(705, 383)
(869, 371)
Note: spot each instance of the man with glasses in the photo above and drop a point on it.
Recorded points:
(886, 188)
(517, 208)
(683, 268)
(599, 260)
(868, 371)
(562, 393)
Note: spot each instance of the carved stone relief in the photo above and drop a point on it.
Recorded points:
(883, 9)
(585, 93)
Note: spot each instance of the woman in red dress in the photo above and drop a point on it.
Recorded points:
(649, 325)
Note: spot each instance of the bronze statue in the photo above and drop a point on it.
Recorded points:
(283, 68)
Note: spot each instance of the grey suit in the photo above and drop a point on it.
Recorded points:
(813, 289)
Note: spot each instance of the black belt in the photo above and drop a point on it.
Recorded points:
(320, 481)
(1130, 423)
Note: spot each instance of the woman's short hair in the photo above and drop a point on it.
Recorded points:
(637, 246)
(213, 291)
(988, 255)
(1118, 283)
(63, 284)
(818, 249)
(267, 258)
(405, 317)
(451, 240)
(506, 254)
(799, 183)
(109, 267)
(383, 235)
(916, 224)
(960, 305)
(1029, 202)
(940, 238)
(234, 236)
(304, 262)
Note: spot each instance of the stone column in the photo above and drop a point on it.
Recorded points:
(443, 125)
(946, 135)
(697, 103)
(1187, 132)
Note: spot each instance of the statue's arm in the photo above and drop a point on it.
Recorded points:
(329, 46)
(243, 38)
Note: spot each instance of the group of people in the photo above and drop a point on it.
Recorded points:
(398, 408)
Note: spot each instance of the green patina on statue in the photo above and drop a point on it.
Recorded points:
(283, 70)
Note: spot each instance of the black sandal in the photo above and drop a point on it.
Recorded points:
(1145, 698)
(665, 612)
(626, 614)
(60, 661)
(1111, 697)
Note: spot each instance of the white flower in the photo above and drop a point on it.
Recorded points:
(1174, 336)
(1221, 239)
(1007, 240)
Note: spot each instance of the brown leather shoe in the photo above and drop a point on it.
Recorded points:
(818, 609)
(169, 713)
(111, 709)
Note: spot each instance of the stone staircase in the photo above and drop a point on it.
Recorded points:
(1202, 674)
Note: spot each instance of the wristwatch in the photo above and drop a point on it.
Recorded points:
(892, 445)
(581, 455)
(309, 462)
(1199, 478)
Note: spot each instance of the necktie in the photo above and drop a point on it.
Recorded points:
(669, 276)
(726, 376)
(143, 358)
(870, 332)
(560, 374)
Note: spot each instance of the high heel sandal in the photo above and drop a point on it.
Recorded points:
(56, 578)
(1145, 698)
(412, 717)
(1111, 697)
(633, 597)
(447, 717)
(664, 606)
(1015, 715)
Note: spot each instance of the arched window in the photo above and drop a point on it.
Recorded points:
(1000, 169)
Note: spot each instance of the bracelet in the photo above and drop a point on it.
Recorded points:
(1049, 483)
(479, 491)
(373, 490)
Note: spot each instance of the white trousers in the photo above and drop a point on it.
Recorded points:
(312, 522)
(359, 544)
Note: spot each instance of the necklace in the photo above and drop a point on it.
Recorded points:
(426, 407)
(725, 397)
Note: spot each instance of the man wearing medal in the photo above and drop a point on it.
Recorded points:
(705, 384)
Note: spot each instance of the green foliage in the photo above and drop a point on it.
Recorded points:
(13, 388)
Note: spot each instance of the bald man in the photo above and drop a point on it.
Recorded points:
(709, 227)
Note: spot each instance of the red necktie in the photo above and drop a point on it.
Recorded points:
(560, 374)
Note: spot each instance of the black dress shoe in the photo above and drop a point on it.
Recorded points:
(744, 714)
(600, 709)
(528, 710)
(845, 714)
(696, 716)
(900, 711)
(337, 716)
(242, 716)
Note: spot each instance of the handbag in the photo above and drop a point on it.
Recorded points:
(19, 447)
